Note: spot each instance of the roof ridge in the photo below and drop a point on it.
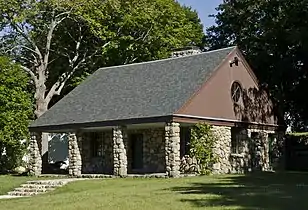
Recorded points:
(165, 59)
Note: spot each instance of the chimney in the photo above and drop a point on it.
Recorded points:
(181, 52)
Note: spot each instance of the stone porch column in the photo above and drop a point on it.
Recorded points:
(172, 149)
(74, 154)
(260, 158)
(35, 159)
(119, 152)
(265, 163)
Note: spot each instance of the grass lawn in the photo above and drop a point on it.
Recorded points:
(258, 191)
(8, 183)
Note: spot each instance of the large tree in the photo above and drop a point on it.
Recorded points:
(56, 40)
(15, 112)
(29, 29)
(274, 37)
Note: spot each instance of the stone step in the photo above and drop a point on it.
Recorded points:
(22, 194)
(38, 190)
(39, 186)
(48, 182)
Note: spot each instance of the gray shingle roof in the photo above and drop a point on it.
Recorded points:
(157, 88)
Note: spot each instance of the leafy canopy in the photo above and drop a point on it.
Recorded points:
(15, 112)
(97, 33)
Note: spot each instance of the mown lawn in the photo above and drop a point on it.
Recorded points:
(258, 191)
(8, 183)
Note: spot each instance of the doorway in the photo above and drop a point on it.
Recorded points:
(137, 151)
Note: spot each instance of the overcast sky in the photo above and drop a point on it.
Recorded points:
(204, 8)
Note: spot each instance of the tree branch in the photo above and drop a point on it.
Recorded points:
(31, 73)
(48, 42)
(59, 85)
(28, 39)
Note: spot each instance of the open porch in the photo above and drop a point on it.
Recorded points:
(152, 148)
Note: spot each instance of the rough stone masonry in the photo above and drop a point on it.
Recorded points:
(75, 163)
(172, 148)
(35, 160)
(119, 152)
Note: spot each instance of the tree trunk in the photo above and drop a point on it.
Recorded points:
(41, 108)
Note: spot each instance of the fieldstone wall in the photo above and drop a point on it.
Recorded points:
(153, 150)
(102, 164)
(75, 164)
(172, 148)
(107, 153)
(259, 151)
(119, 152)
(87, 165)
(189, 165)
(253, 153)
(222, 149)
(161, 152)
(35, 158)
(240, 161)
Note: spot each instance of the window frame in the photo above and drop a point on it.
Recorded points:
(237, 144)
(233, 95)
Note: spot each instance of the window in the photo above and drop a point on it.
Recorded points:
(236, 92)
(96, 145)
(238, 136)
(185, 139)
(255, 135)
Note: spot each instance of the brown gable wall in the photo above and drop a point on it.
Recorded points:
(213, 100)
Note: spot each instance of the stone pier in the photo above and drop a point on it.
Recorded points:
(35, 160)
(172, 149)
(119, 152)
(75, 163)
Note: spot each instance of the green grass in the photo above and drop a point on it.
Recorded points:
(259, 191)
(8, 183)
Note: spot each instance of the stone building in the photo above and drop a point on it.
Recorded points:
(137, 118)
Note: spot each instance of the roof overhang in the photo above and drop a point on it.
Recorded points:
(150, 121)
(224, 122)
(100, 125)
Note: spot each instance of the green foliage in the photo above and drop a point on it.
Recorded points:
(142, 30)
(201, 147)
(110, 32)
(273, 35)
(127, 31)
(15, 111)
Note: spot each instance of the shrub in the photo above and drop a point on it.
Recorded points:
(201, 147)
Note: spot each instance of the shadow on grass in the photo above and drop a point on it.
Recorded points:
(268, 191)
